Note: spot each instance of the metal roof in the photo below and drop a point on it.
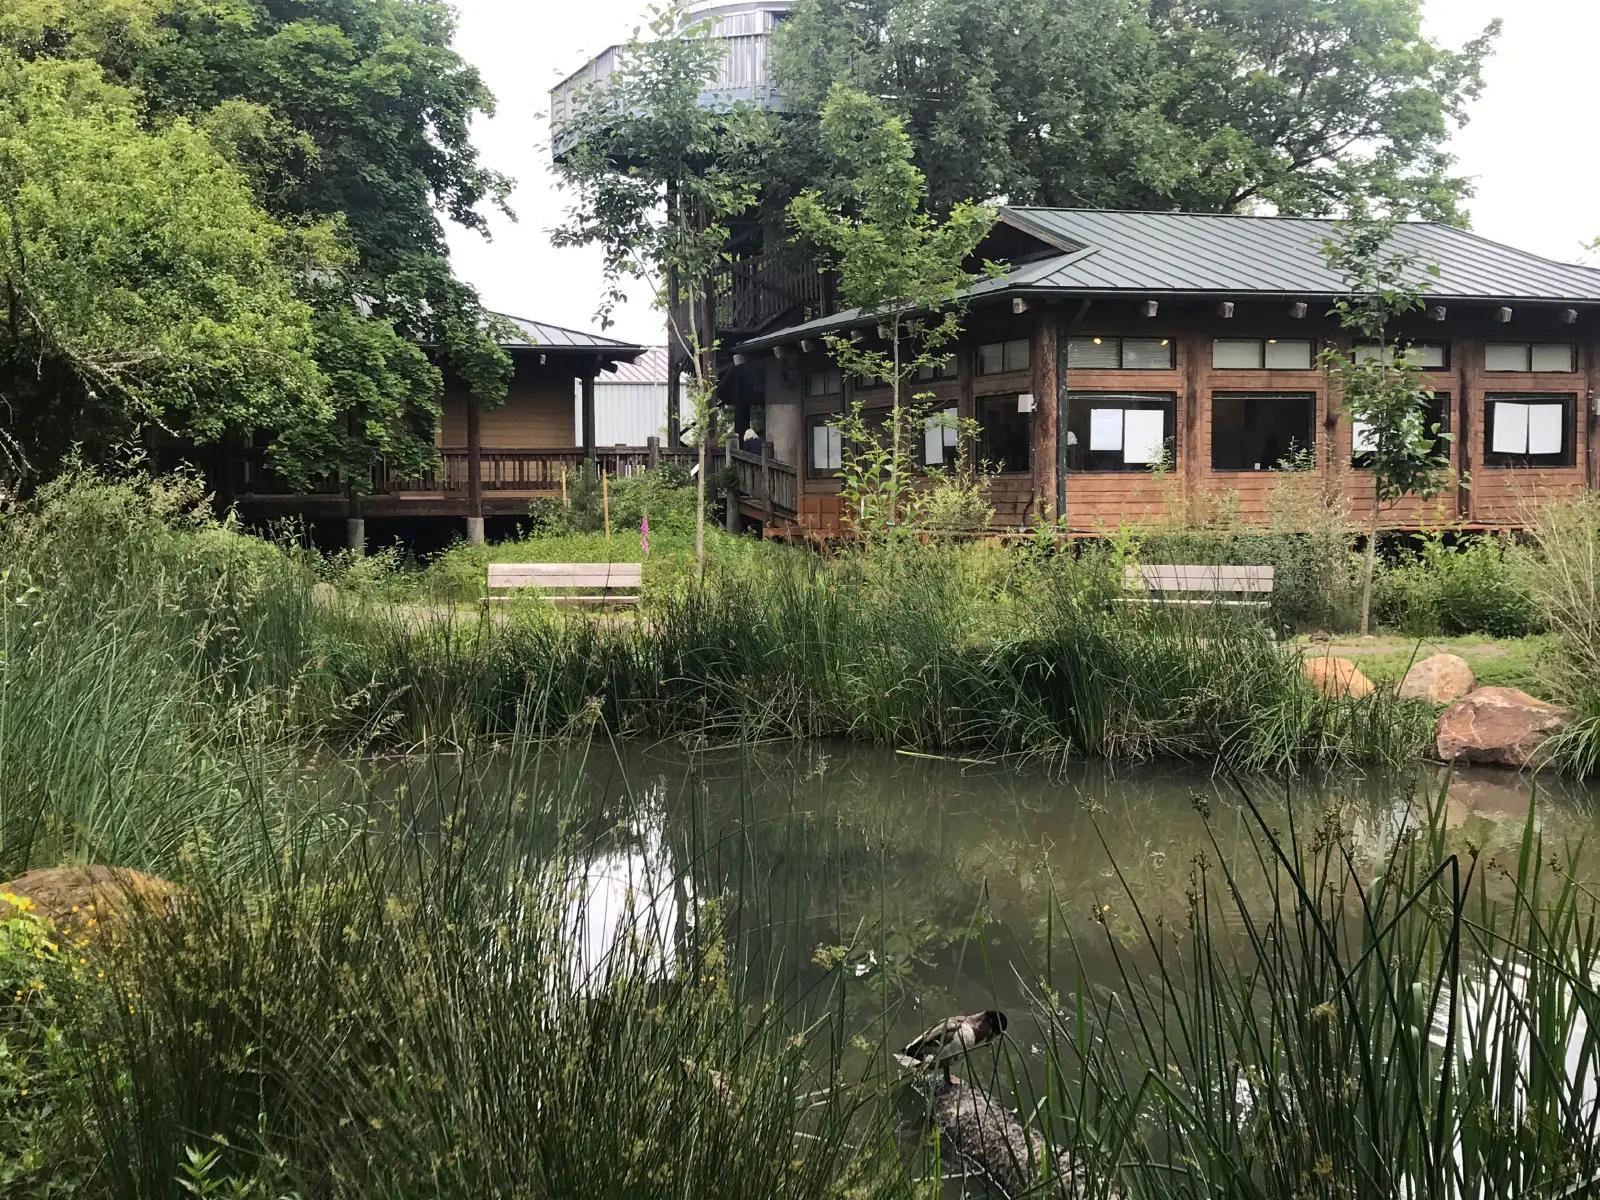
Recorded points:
(1101, 253)
(650, 368)
(556, 339)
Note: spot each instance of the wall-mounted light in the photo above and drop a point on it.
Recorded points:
(1299, 309)
(1225, 310)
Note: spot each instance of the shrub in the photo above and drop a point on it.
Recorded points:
(1450, 588)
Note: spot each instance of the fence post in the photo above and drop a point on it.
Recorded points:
(766, 480)
(731, 517)
(652, 452)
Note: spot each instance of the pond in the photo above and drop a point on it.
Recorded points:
(926, 887)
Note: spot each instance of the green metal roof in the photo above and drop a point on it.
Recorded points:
(1162, 254)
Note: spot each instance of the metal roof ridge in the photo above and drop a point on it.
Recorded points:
(599, 340)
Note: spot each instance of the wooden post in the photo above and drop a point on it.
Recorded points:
(766, 481)
(731, 516)
(674, 400)
(1589, 416)
(355, 525)
(1471, 355)
(564, 502)
(588, 410)
(652, 452)
(1196, 352)
(474, 471)
(1046, 367)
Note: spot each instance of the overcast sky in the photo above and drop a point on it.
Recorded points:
(1538, 180)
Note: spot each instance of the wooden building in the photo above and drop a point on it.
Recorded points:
(1118, 341)
(492, 461)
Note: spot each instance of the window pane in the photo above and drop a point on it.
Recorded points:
(1530, 431)
(1255, 431)
(1363, 438)
(939, 439)
(1007, 435)
(1506, 356)
(1546, 424)
(1554, 358)
(1017, 354)
(1431, 358)
(1371, 353)
(1288, 356)
(992, 358)
(827, 448)
(1232, 355)
(1147, 354)
(1090, 354)
(1119, 431)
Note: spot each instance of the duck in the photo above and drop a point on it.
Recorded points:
(952, 1038)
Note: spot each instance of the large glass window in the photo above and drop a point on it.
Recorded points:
(825, 381)
(1007, 434)
(1257, 431)
(945, 369)
(824, 447)
(1555, 358)
(1119, 354)
(1430, 356)
(1521, 430)
(1117, 431)
(1000, 358)
(1263, 354)
(1363, 442)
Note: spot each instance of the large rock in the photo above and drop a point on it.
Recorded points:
(1338, 677)
(1498, 726)
(1442, 679)
(82, 901)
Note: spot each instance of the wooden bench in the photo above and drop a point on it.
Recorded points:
(600, 583)
(1183, 585)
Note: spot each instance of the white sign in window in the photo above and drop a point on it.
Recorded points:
(1510, 428)
(1363, 438)
(826, 447)
(1545, 427)
(1144, 435)
(1105, 429)
(940, 437)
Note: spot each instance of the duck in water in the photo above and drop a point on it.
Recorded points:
(952, 1038)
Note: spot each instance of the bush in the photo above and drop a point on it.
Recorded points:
(1450, 588)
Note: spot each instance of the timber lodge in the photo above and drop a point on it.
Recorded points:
(1114, 342)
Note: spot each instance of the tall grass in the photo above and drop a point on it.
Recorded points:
(1402, 1019)
(1562, 568)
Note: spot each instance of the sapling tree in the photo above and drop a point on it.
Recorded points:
(656, 175)
(895, 262)
(1385, 392)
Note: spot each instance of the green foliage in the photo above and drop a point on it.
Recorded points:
(1303, 106)
(143, 286)
(1469, 585)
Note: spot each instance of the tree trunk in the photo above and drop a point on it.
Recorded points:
(894, 420)
(1372, 559)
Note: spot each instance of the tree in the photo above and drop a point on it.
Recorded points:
(142, 285)
(349, 118)
(1384, 391)
(655, 177)
(1205, 105)
(895, 262)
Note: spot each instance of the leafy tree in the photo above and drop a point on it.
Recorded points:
(1207, 105)
(895, 262)
(142, 284)
(349, 118)
(1384, 390)
(655, 177)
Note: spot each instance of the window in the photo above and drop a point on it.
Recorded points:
(1436, 415)
(941, 438)
(1000, 358)
(1262, 354)
(824, 447)
(824, 382)
(1007, 434)
(1430, 356)
(1119, 354)
(1112, 431)
(1547, 358)
(941, 370)
(868, 382)
(1255, 431)
(1530, 431)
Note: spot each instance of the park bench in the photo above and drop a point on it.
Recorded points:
(1249, 587)
(566, 583)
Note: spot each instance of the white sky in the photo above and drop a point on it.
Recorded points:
(1537, 178)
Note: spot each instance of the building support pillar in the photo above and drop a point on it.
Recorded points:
(474, 471)
(674, 399)
(588, 411)
(355, 526)
(1046, 413)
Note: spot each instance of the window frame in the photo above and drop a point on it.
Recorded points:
(1121, 341)
(1005, 368)
(1527, 367)
(1262, 343)
(1499, 461)
(1164, 402)
(948, 369)
(981, 405)
(814, 422)
(824, 374)
(1309, 398)
(1444, 403)
(953, 410)
(1409, 343)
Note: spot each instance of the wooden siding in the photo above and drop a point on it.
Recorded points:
(537, 415)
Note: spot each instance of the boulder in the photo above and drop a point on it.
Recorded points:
(1338, 677)
(1498, 726)
(81, 901)
(1442, 679)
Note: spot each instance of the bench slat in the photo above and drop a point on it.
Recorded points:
(565, 575)
(1176, 578)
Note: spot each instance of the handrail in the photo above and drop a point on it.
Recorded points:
(772, 484)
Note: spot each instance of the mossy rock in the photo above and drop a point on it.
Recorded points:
(83, 901)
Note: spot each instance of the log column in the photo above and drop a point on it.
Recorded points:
(1471, 355)
(474, 471)
(589, 374)
(1046, 415)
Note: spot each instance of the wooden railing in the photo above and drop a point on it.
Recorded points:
(773, 486)
(754, 292)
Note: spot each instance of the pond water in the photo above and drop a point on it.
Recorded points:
(924, 884)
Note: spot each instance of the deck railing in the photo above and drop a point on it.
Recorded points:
(772, 486)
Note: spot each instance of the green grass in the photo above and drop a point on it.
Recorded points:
(1497, 662)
